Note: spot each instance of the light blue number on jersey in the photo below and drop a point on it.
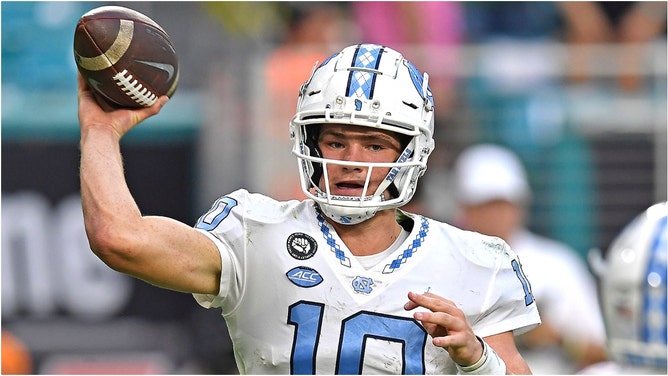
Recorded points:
(528, 295)
(219, 210)
(355, 330)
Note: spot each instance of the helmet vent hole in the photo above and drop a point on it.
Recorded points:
(314, 92)
(411, 105)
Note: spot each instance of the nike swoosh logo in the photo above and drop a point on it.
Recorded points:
(169, 68)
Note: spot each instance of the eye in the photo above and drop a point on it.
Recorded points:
(335, 145)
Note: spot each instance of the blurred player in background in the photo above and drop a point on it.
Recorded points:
(341, 282)
(314, 29)
(633, 296)
(493, 195)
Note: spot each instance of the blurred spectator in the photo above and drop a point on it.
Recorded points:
(526, 20)
(628, 23)
(249, 21)
(430, 34)
(313, 31)
(633, 296)
(493, 195)
(16, 359)
(429, 31)
(516, 78)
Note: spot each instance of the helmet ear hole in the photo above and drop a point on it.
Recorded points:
(312, 135)
(404, 140)
(394, 192)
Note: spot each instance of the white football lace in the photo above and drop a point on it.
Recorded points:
(134, 89)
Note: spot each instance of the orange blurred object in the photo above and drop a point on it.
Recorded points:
(16, 358)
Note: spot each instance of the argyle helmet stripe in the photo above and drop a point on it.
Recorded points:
(361, 83)
(654, 322)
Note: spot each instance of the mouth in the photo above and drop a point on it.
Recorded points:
(348, 188)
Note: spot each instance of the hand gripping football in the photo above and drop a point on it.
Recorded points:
(125, 56)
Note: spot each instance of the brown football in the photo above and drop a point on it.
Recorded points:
(125, 56)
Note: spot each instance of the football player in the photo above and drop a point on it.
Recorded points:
(494, 196)
(343, 281)
(633, 296)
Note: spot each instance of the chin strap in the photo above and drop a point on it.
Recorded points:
(347, 215)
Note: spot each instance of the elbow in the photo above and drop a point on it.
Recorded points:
(109, 246)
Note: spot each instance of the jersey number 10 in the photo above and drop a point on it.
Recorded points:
(355, 330)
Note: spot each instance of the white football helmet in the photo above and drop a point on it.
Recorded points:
(372, 86)
(633, 290)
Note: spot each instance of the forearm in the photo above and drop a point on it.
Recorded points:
(505, 348)
(108, 205)
(158, 250)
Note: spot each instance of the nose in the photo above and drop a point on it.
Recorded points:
(353, 153)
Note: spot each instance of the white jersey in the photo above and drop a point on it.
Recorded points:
(297, 301)
(565, 289)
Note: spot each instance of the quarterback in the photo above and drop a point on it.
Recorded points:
(343, 282)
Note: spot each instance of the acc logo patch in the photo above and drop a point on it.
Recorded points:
(303, 276)
(301, 246)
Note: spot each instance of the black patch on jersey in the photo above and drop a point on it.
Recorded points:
(301, 246)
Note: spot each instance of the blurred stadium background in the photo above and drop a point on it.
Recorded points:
(595, 149)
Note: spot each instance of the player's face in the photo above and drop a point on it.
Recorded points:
(356, 144)
(497, 218)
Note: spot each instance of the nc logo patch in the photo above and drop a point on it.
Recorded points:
(301, 246)
(362, 285)
(303, 276)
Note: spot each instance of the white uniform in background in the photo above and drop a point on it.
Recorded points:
(567, 296)
(297, 301)
(564, 287)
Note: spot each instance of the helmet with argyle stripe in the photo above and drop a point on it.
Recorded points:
(371, 86)
(633, 290)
